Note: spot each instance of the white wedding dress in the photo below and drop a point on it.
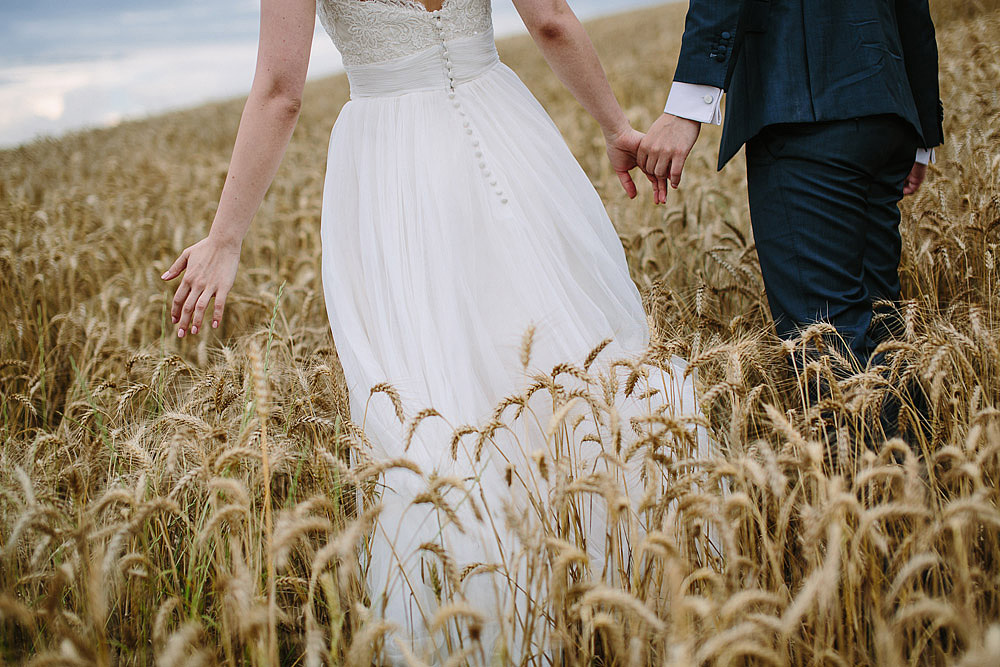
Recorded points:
(455, 217)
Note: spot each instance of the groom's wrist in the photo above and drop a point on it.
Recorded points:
(925, 156)
(695, 102)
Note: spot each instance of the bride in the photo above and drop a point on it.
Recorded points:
(464, 250)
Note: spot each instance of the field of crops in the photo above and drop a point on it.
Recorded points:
(184, 502)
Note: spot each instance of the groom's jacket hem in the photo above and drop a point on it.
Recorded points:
(801, 61)
(702, 104)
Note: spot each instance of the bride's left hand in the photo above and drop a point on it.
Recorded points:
(623, 148)
(209, 269)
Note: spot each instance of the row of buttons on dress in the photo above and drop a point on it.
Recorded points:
(453, 96)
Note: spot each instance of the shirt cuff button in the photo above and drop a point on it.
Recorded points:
(709, 99)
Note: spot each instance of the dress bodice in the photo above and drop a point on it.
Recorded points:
(376, 31)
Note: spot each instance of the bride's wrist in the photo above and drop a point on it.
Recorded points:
(619, 129)
(225, 241)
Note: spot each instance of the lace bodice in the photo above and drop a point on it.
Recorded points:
(376, 31)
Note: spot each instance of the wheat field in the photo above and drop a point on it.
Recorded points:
(194, 502)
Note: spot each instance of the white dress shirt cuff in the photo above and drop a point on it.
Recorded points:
(695, 102)
(925, 155)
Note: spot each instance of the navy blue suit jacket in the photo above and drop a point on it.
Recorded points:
(813, 61)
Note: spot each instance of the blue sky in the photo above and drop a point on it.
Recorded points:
(66, 65)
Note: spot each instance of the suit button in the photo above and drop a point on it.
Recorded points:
(726, 35)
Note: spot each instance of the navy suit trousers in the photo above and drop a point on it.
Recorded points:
(824, 207)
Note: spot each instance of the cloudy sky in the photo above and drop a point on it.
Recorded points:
(66, 64)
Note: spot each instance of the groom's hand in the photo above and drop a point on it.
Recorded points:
(915, 179)
(665, 149)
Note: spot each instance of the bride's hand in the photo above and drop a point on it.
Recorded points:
(209, 269)
(623, 148)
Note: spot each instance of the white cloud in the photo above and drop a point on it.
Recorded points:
(49, 99)
(131, 78)
(50, 107)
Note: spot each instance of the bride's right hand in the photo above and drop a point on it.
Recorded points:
(209, 269)
(623, 149)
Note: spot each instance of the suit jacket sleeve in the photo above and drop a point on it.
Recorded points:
(709, 39)
(917, 35)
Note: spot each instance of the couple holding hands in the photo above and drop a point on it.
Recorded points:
(455, 217)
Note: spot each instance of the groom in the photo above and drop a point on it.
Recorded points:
(838, 106)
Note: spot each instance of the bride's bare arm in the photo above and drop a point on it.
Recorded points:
(270, 115)
(568, 50)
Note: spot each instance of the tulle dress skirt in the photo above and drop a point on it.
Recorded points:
(455, 220)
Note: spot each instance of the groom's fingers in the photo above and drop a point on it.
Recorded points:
(652, 182)
(660, 170)
(677, 170)
(662, 167)
(660, 162)
(657, 187)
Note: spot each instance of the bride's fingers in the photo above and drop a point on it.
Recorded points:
(220, 307)
(641, 155)
(199, 311)
(655, 184)
(186, 311)
(179, 298)
(661, 190)
(628, 184)
(647, 159)
(175, 269)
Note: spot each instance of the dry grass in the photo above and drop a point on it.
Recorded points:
(191, 503)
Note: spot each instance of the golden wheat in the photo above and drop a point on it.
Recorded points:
(207, 501)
